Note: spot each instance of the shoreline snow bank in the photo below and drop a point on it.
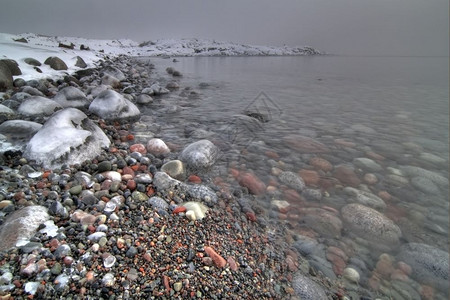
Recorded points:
(40, 47)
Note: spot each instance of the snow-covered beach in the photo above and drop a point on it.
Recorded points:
(18, 47)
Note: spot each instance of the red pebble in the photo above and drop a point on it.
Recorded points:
(131, 184)
(130, 137)
(138, 148)
(232, 263)
(292, 195)
(253, 183)
(218, 260)
(179, 209)
(166, 283)
(128, 170)
(194, 179)
(251, 216)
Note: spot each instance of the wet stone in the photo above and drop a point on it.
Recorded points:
(292, 180)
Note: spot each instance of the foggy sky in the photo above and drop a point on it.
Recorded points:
(362, 27)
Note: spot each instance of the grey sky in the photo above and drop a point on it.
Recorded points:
(363, 27)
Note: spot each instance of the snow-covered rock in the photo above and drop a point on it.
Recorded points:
(71, 97)
(17, 134)
(114, 72)
(21, 225)
(68, 137)
(110, 105)
(38, 105)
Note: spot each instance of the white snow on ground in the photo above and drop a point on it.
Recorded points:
(41, 47)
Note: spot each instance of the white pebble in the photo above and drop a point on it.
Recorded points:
(351, 274)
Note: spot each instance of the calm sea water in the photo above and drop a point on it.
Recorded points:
(396, 107)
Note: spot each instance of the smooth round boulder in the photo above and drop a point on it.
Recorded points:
(13, 66)
(371, 225)
(6, 77)
(429, 265)
(32, 62)
(56, 63)
(157, 147)
(200, 155)
(71, 97)
(307, 289)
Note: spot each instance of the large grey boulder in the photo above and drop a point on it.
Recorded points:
(56, 63)
(13, 66)
(200, 155)
(71, 97)
(110, 105)
(18, 132)
(307, 289)
(32, 62)
(68, 137)
(371, 225)
(429, 264)
(6, 77)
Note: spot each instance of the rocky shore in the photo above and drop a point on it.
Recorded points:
(90, 212)
(104, 196)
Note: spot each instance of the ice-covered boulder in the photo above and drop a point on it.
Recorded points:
(71, 97)
(114, 72)
(68, 137)
(38, 105)
(21, 225)
(17, 133)
(110, 105)
(158, 90)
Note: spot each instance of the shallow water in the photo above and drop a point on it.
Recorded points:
(392, 110)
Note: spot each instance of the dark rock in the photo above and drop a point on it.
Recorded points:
(71, 97)
(85, 72)
(19, 82)
(32, 62)
(71, 46)
(13, 66)
(56, 63)
(6, 77)
(80, 63)
(21, 40)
